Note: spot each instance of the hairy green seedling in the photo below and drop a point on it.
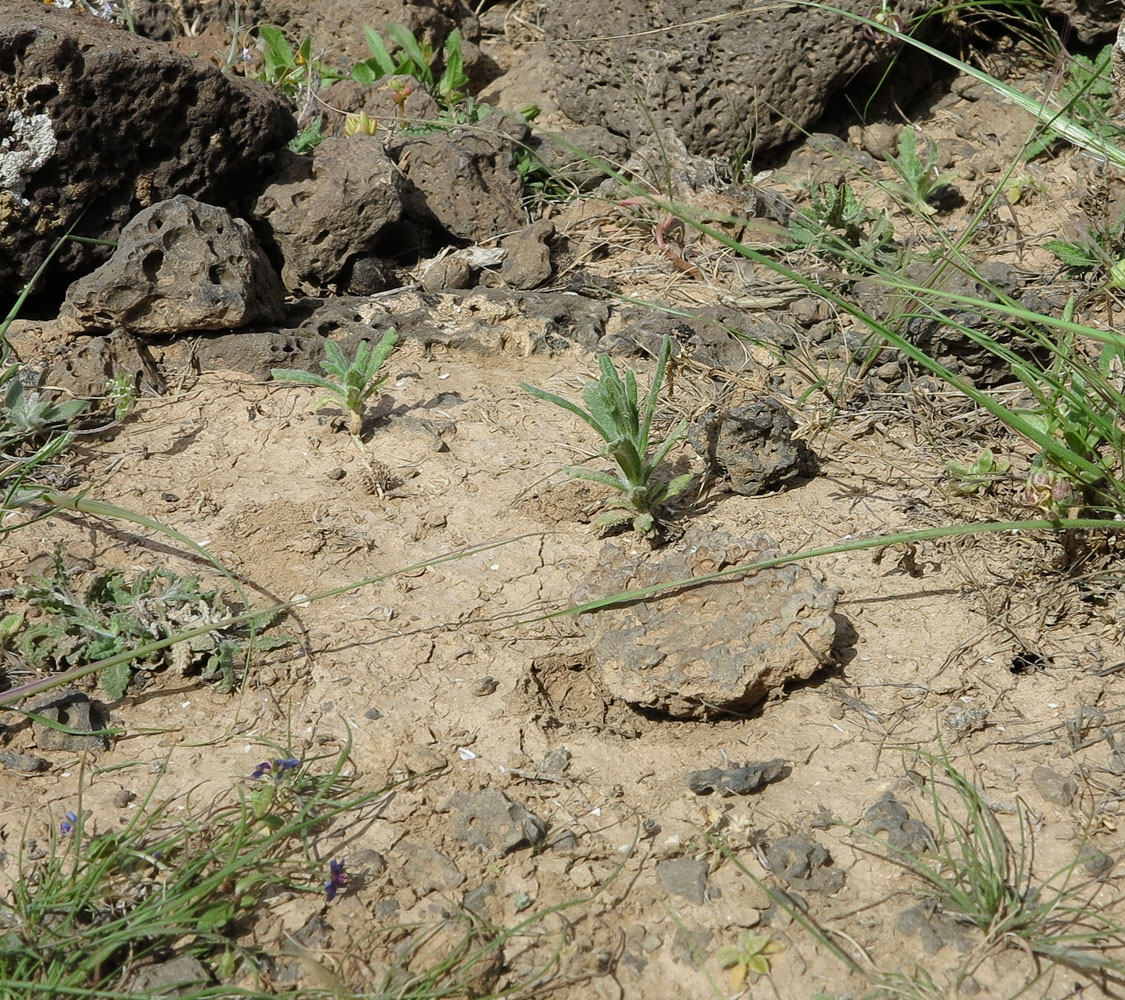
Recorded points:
(921, 180)
(612, 411)
(121, 394)
(749, 957)
(27, 415)
(352, 383)
(1096, 255)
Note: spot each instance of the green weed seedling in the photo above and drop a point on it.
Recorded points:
(34, 431)
(122, 395)
(352, 383)
(985, 470)
(291, 71)
(837, 224)
(111, 615)
(1101, 252)
(309, 137)
(612, 411)
(1086, 97)
(410, 57)
(749, 957)
(920, 180)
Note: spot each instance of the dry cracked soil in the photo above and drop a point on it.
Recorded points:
(533, 784)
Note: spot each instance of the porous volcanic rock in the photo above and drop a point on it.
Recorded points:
(326, 210)
(96, 123)
(179, 266)
(729, 80)
(462, 183)
(753, 445)
(707, 647)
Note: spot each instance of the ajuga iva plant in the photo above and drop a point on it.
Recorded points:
(612, 410)
(110, 615)
(351, 383)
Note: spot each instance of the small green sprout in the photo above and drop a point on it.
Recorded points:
(1086, 98)
(984, 471)
(27, 415)
(1101, 252)
(309, 137)
(121, 392)
(920, 181)
(353, 383)
(750, 956)
(837, 223)
(612, 412)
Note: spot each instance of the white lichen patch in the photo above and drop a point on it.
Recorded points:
(29, 143)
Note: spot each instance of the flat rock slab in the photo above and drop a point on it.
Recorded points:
(75, 711)
(179, 266)
(738, 780)
(710, 647)
(803, 864)
(904, 834)
(489, 820)
(684, 877)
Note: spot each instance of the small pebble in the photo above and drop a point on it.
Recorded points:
(1097, 864)
(25, 762)
(373, 714)
(1053, 786)
(482, 687)
(336, 474)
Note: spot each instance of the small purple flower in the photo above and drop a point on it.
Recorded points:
(66, 827)
(277, 766)
(337, 879)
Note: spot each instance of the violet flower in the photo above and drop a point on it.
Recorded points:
(276, 766)
(337, 879)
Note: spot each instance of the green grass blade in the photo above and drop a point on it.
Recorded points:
(855, 545)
